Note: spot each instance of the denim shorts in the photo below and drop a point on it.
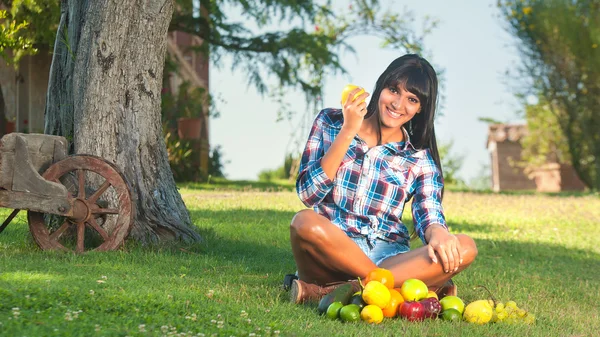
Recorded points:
(378, 250)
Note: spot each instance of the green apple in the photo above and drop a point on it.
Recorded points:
(413, 290)
(452, 302)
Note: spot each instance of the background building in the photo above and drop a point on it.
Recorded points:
(508, 173)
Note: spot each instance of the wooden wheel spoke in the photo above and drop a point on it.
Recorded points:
(57, 233)
(92, 222)
(74, 172)
(99, 192)
(80, 237)
(105, 211)
(81, 185)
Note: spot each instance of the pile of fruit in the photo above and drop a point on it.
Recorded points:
(413, 301)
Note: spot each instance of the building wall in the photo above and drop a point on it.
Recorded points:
(569, 179)
(505, 150)
(511, 176)
(196, 71)
(24, 91)
(36, 71)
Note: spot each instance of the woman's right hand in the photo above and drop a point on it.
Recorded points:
(354, 110)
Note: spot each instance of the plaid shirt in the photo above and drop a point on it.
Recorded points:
(371, 187)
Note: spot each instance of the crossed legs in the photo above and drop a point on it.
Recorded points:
(325, 254)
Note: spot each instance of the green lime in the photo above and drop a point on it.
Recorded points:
(333, 311)
(451, 315)
(357, 299)
(350, 313)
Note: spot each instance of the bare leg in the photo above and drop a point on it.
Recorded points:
(417, 264)
(323, 252)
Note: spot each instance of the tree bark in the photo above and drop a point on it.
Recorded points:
(104, 96)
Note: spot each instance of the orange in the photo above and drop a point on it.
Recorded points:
(372, 314)
(382, 275)
(391, 310)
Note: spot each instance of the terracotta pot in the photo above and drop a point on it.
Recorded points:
(10, 126)
(189, 128)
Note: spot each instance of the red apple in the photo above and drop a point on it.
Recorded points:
(432, 307)
(412, 311)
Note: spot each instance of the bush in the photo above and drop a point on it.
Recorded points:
(280, 173)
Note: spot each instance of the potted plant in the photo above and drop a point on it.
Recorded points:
(10, 125)
(190, 107)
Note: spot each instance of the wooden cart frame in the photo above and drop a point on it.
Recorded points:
(74, 203)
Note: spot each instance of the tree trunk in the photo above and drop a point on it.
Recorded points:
(104, 96)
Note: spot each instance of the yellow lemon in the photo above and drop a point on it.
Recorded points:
(377, 294)
(479, 312)
(347, 89)
(372, 314)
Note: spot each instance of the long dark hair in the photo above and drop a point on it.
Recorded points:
(415, 75)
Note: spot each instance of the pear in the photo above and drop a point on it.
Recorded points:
(478, 312)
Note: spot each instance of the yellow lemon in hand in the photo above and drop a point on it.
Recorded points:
(377, 294)
(347, 89)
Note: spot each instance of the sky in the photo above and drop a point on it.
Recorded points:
(470, 43)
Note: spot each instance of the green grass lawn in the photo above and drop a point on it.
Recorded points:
(539, 250)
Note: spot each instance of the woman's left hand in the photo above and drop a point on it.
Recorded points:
(447, 247)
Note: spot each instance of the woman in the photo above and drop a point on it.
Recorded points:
(361, 165)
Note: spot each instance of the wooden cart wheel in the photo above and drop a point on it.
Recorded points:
(102, 207)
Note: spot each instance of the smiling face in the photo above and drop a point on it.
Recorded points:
(405, 92)
(397, 106)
